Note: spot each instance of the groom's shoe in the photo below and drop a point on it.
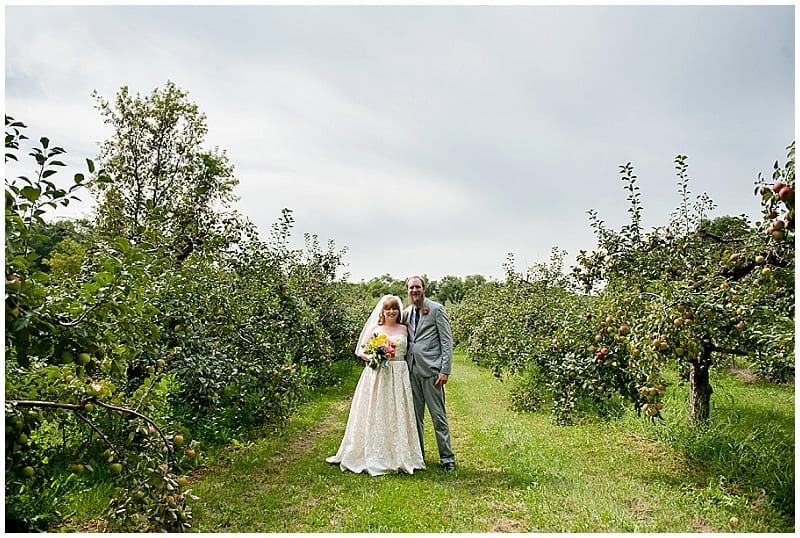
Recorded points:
(449, 467)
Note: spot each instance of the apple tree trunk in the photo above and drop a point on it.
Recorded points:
(700, 387)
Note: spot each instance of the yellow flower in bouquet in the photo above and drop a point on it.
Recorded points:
(380, 349)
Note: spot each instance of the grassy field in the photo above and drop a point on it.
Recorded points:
(519, 472)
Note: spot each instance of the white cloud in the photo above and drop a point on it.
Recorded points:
(497, 128)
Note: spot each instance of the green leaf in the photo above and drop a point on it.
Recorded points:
(19, 324)
(104, 278)
(40, 277)
(31, 193)
(122, 244)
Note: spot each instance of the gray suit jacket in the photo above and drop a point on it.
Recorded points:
(430, 350)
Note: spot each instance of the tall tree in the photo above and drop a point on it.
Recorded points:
(166, 188)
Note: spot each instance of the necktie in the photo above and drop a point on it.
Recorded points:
(416, 318)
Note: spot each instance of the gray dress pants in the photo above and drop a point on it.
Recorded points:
(426, 393)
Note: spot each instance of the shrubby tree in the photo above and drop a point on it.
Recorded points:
(167, 189)
(452, 289)
(511, 327)
(252, 332)
(449, 289)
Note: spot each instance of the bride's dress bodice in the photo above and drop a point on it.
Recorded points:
(400, 345)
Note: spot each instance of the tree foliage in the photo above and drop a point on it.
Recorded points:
(167, 189)
(152, 335)
(447, 290)
(693, 293)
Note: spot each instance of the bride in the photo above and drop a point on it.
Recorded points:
(381, 434)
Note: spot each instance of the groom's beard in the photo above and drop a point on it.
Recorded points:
(418, 302)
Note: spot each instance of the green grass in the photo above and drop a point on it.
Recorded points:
(519, 472)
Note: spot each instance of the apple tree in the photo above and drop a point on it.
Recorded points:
(69, 415)
(693, 292)
(246, 326)
(524, 326)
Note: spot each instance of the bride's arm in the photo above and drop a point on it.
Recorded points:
(361, 355)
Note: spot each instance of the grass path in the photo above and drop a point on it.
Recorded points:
(516, 473)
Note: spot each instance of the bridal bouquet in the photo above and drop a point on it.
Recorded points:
(381, 349)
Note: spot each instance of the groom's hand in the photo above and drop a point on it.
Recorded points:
(441, 379)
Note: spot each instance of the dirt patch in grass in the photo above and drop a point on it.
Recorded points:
(744, 374)
(71, 525)
(505, 524)
(642, 510)
(654, 451)
(699, 524)
(305, 443)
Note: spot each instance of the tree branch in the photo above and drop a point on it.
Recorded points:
(77, 407)
(729, 351)
(97, 431)
(718, 238)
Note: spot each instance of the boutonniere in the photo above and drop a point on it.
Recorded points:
(425, 311)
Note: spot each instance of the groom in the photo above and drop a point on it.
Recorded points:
(429, 358)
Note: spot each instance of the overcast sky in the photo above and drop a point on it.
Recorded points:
(435, 139)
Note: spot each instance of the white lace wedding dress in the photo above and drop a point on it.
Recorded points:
(381, 434)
